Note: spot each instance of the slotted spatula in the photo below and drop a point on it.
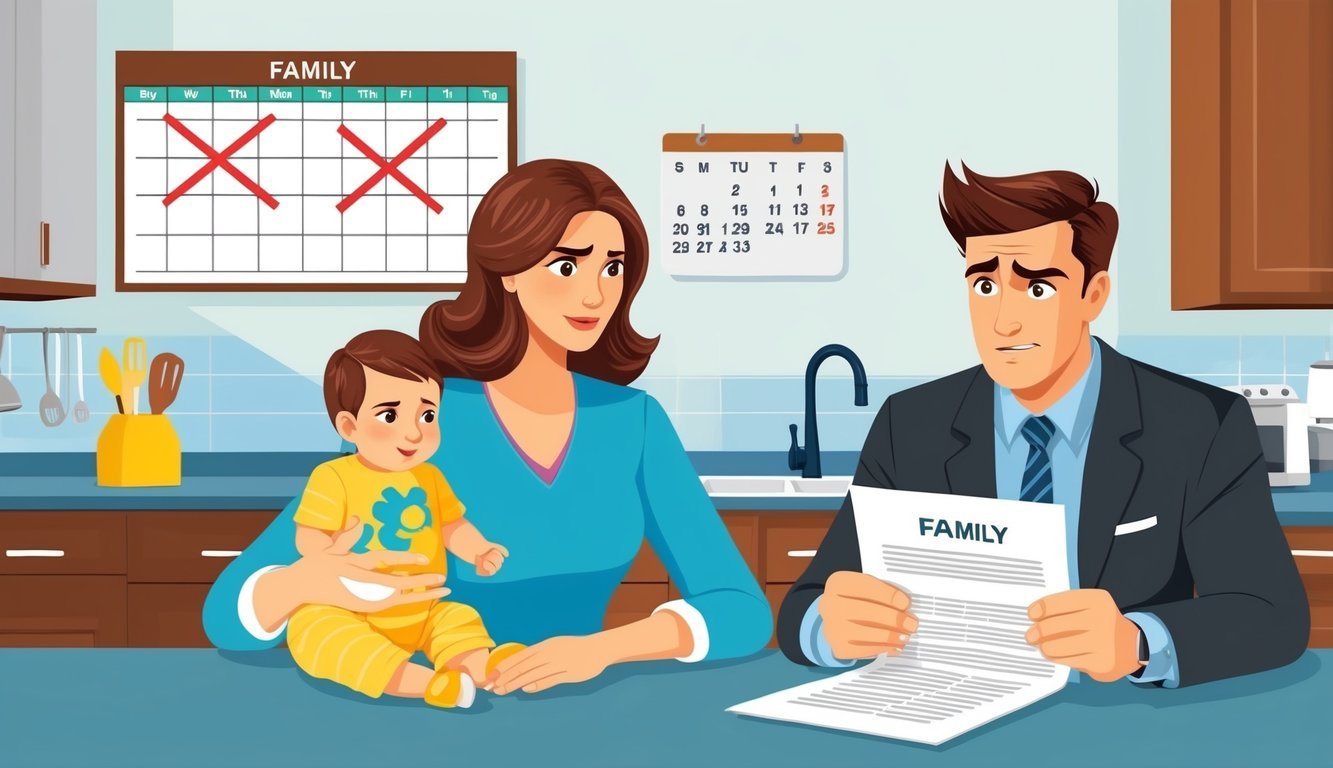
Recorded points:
(51, 409)
(164, 381)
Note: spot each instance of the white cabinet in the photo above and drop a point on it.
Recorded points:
(49, 180)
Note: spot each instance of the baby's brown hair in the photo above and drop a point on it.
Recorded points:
(392, 353)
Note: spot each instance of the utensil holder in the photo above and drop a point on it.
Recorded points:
(137, 450)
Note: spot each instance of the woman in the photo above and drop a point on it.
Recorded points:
(550, 452)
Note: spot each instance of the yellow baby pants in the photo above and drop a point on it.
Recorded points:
(345, 647)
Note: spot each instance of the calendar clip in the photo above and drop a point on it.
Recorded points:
(796, 136)
(702, 138)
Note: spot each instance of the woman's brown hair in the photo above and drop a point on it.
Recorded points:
(482, 334)
(998, 205)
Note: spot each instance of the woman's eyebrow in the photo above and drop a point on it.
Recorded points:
(572, 251)
(613, 254)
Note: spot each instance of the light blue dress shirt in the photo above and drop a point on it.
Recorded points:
(1073, 417)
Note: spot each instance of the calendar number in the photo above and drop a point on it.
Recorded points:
(823, 190)
(742, 228)
(825, 228)
(826, 209)
(740, 209)
(680, 246)
(680, 228)
(680, 210)
(773, 229)
(703, 210)
(735, 190)
(802, 209)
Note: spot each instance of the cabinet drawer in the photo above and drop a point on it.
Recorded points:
(632, 602)
(790, 542)
(62, 543)
(1312, 546)
(188, 546)
(167, 615)
(62, 611)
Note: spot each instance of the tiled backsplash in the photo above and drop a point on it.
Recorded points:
(235, 398)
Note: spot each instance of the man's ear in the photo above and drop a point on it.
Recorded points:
(345, 422)
(509, 283)
(1096, 294)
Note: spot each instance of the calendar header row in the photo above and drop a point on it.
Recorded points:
(319, 93)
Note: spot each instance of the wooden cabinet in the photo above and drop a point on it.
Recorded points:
(1251, 154)
(62, 579)
(173, 557)
(48, 135)
(1312, 547)
(789, 540)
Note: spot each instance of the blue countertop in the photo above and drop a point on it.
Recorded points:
(203, 708)
(241, 481)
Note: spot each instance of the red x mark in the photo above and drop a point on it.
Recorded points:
(390, 168)
(219, 160)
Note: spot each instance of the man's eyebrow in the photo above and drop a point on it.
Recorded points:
(613, 254)
(427, 402)
(573, 251)
(392, 404)
(1036, 274)
(990, 265)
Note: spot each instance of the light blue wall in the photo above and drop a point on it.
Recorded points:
(1009, 87)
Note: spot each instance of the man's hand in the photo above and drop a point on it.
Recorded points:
(864, 616)
(491, 558)
(1085, 630)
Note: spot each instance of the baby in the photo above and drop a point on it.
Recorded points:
(382, 394)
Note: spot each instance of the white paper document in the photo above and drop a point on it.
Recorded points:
(972, 567)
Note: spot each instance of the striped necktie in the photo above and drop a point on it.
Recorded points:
(1038, 482)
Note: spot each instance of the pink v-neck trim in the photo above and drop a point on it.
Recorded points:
(547, 474)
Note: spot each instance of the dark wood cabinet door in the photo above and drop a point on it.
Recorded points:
(1312, 548)
(167, 615)
(1252, 153)
(62, 611)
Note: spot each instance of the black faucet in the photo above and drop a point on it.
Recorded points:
(807, 459)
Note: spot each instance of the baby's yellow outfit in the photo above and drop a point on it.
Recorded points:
(404, 511)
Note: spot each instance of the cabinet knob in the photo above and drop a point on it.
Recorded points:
(801, 552)
(219, 553)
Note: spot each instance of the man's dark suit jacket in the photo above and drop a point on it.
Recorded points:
(1161, 445)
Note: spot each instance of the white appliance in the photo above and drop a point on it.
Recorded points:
(1283, 422)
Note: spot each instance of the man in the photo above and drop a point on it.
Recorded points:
(1184, 572)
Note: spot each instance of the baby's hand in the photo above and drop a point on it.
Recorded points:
(490, 560)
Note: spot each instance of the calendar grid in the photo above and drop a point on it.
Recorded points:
(262, 187)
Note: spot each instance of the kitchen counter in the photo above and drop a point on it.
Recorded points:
(268, 481)
(204, 708)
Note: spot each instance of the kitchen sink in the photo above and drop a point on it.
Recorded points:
(768, 485)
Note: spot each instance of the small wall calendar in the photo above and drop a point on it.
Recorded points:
(753, 205)
(306, 170)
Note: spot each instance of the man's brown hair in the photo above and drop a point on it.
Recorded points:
(998, 205)
(392, 353)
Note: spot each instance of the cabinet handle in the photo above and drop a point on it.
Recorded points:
(34, 553)
(219, 553)
(44, 236)
(801, 552)
(1312, 552)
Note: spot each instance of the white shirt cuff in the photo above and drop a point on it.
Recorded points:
(695, 621)
(245, 607)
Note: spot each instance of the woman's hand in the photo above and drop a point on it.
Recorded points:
(492, 557)
(552, 662)
(328, 576)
